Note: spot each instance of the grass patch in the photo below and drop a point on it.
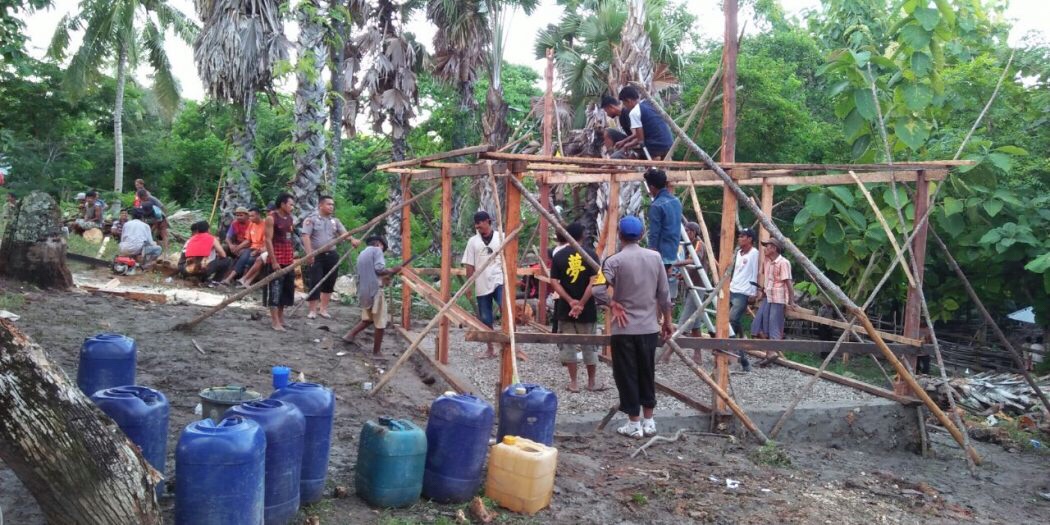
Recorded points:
(859, 367)
(78, 245)
(770, 454)
(11, 301)
(639, 499)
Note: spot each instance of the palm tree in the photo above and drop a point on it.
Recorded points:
(459, 53)
(235, 53)
(309, 135)
(122, 31)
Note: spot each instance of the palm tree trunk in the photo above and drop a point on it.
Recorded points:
(398, 151)
(337, 56)
(467, 107)
(118, 120)
(241, 170)
(309, 134)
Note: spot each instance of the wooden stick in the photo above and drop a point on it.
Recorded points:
(739, 412)
(197, 346)
(440, 314)
(704, 101)
(291, 267)
(608, 417)
(558, 226)
(437, 156)
(509, 280)
(885, 226)
(822, 280)
(218, 190)
(990, 321)
(708, 249)
(655, 439)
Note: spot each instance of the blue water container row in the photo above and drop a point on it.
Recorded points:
(106, 360)
(221, 472)
(284, 426)
(528, 411)
(457, 444)
(317, 404)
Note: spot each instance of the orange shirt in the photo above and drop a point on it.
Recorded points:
(257, 235)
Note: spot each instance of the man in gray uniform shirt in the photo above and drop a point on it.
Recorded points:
(638, 300)
(318, 229)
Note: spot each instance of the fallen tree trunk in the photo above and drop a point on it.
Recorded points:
(71, 457)
(34, 247)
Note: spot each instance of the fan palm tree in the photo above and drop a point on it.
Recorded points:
(459, 54)
(235, 52)
(309, 135)
(121, 31)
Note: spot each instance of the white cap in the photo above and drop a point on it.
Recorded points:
(81, 196)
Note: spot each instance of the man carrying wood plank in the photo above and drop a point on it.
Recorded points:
(638, 299)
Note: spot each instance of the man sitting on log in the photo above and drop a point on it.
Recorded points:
(203, 255)
(136, 240)
(372, 275)
(92, 217)
(575, 310)
(638, 299)
(776, 294)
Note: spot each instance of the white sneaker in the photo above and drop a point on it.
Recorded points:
(649, 427)
(631, 429)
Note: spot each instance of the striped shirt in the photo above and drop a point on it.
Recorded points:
(777, 276)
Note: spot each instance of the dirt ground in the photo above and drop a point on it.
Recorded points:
(687, 481)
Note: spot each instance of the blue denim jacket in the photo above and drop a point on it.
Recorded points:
(665, 225)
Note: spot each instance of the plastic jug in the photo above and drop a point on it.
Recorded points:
(284, 426)
(390, 458)
(317, 404)
(528, 411)
(221, 471)
(106, 360)
(457, 444)
(142, 413)
(521, 474)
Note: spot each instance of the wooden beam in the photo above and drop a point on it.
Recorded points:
(446, 266)
(796, 314)
(913, 307)
(147, 297)
(708, 178)
(631, 163)
(460, 271)
(842, 380)
(727, 245)
(667, 389)
(458, 315)
(406, 248)
(437, 156)
(729, 345)
(507, 368)
(544, 232)
(457, 382)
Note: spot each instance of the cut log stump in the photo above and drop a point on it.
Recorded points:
(34, 246)
(71, 457)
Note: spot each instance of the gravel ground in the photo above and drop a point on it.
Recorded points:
(774, 385)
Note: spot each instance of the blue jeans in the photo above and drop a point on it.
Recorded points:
(486, 306)
(737, 307)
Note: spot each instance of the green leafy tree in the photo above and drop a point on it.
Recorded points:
(121, 31)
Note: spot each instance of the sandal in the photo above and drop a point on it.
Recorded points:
(600, 388)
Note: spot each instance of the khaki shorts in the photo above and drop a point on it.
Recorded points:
(377, 314)
(574, 353)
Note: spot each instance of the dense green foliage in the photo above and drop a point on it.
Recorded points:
(806, 96)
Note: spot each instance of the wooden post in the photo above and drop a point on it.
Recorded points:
(763, 233)
(729, 204)
(913, 307)
(612, 211)
(446, 263)
(406, 248)
(545, 188)
(510, 259)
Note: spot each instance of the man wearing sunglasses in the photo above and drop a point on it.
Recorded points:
(488, 288)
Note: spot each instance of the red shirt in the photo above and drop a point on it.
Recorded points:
(200, 245)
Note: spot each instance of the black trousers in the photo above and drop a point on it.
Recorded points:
(280, 291)
(634, 370)
(323, 263)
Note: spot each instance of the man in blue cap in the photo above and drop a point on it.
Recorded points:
(641, 311)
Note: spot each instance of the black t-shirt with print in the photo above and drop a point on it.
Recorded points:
(572, 271)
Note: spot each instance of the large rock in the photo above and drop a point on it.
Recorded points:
(34, 246)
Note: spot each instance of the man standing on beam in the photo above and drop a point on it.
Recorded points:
(637, 300)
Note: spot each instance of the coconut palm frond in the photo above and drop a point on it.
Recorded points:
(164, 84)
(170, 18)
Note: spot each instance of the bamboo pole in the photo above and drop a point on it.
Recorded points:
(704, 101)
(821, 279)
(441, 314)
(885, 226)
(554, 222)
(215, 203)
(708, 249)
(295, 264)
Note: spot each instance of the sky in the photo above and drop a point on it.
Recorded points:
(1028, 15)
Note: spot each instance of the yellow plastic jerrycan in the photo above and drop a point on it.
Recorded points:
(521, 474)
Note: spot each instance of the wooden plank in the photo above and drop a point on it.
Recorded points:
(147, 297)
(708, 178)
(795, 314)
(437, 156)
(446, 266)
(727, 244)
(458, 383)
(507, 365)
(623, 163)
(406, 248)
(429, 294)
(461, 272)
(728, 345)
(89, 260)
(842, 380)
